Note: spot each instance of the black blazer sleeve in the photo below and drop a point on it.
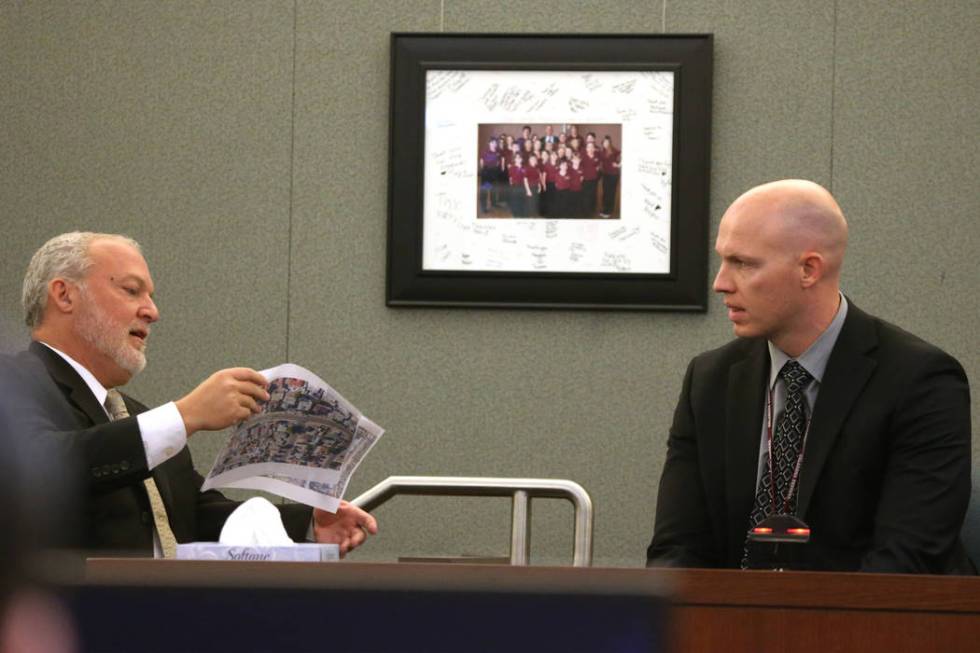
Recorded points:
(50, 406)
(926, 482)
(683, 534)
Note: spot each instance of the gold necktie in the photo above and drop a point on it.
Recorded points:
(117, 410)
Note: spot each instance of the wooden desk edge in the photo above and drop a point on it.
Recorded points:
(684, 587)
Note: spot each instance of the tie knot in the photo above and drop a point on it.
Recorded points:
(115, 405)
(795, 377)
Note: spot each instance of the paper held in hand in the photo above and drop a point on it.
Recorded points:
(303, 445)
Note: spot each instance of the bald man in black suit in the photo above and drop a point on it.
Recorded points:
(882, 478)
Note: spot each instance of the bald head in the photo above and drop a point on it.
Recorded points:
(782, 246)
(802, 215)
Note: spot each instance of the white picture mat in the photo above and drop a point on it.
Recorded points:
(458, 101)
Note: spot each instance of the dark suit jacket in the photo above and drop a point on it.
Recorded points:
(54, 404)
(885, 480)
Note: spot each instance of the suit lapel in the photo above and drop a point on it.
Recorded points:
(848, 370)
(71, 383)
(743, 420)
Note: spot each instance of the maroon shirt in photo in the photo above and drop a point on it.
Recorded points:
(608, 159)
(590, 167)
(533, 176)
(562, 181)
(575, 177)
(550, 173)
(516, 174)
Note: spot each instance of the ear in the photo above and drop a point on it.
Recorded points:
(812, 268)
(62, 295)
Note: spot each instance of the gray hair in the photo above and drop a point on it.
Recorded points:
(66, 256)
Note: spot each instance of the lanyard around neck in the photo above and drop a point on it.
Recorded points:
(799, 458)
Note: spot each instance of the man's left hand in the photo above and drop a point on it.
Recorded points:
(348, 527)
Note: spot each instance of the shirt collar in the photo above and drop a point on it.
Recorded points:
(814, 359)
(93, 384)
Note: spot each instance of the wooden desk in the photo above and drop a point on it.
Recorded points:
(727, 611)
(761, 611)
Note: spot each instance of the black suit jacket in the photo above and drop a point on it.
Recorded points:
(885, 480)
(54, 404)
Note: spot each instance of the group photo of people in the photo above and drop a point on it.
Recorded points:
(553, 171)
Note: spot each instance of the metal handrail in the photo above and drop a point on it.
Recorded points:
(520, 489)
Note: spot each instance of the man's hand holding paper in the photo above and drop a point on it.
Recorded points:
(223, 399)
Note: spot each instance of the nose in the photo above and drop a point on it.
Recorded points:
(149, 311)
(722, 281)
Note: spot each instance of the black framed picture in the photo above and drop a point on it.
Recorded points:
(549, 171)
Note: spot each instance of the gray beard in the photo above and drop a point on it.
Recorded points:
(95, 329)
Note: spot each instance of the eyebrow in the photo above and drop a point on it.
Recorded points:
(131, 277)
(743, 258)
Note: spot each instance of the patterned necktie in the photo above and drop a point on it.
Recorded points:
(787, 444)
(117, 410)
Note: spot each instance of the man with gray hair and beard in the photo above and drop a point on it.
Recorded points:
(88, 300)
